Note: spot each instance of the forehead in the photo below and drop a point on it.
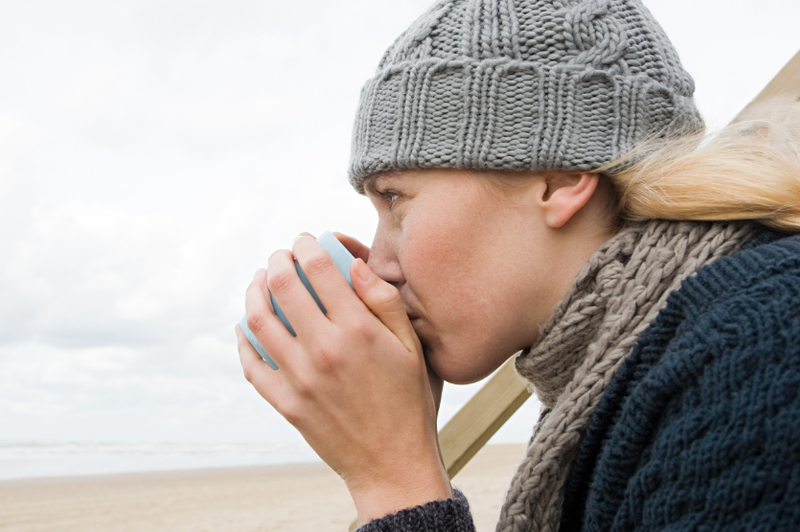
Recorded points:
(398, 178)
(442, 187)
(380, 181)
(493, 185)
(419, 177)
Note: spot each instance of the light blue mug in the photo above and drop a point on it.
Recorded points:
(341, 257)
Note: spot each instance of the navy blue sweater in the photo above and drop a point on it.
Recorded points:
(700, 427)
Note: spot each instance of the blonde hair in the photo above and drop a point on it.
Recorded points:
(749, 170)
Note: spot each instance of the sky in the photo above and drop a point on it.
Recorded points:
(154, 153)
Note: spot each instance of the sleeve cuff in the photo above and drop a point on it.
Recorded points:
(451, 515)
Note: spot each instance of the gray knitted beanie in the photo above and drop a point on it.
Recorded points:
(521, 85)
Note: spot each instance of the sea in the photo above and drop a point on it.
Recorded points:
(43, 459)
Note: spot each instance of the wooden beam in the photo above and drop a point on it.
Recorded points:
(785, 83)
(477, 421)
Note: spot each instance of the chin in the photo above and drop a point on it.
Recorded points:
(462, 366)
(460, 369)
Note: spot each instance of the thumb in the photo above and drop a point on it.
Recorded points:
(384, 301)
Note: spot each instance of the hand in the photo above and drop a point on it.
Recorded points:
(360, 251)
(354, 382)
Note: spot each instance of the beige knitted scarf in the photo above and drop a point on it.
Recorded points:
(613, 299)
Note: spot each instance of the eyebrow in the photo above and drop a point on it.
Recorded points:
(370, 182)
(369, 185)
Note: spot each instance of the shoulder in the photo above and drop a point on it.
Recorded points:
(766, 267)
(743, 304)
(701, 426)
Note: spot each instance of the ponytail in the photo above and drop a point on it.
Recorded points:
(750, 170)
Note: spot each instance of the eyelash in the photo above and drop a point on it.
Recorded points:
(391, 196)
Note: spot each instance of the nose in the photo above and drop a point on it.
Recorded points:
(383, 256)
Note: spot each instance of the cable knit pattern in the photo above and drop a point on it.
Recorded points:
(699, 429)
(613, 299)
(510, 85)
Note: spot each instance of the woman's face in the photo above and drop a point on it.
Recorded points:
(478, 269)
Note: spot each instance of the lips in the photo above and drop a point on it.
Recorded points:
(417, 324)
(413, 315)
(413, 319)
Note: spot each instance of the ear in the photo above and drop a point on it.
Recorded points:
(566, 195)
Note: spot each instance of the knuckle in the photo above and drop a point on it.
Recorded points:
(256, 323)
(363, 328)
(247, 370)
(292, 411)
(258, 282)
(317, 264)
(386, 294)
(327, 359)
(281, 281)
(303, 387)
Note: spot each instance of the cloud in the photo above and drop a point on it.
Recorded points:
(154, 153)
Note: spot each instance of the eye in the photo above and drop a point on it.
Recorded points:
(391, 196)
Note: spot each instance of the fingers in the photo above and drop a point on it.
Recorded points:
(329, 285)
(261, 320)
(321, 272)
(328, 288)
(268, 382)
(384, 301)
(286, 286)
(256, 303)
(356, 248)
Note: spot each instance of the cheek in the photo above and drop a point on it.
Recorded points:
(478, 291)
(439, 262)
(457, 250)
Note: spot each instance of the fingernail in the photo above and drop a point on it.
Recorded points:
(362, 271)
(301, 235)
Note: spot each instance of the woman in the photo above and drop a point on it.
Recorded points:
(530, 163)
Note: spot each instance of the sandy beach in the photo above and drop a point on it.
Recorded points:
(286, 498)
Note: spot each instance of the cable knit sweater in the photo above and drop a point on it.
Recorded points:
(700, 427)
